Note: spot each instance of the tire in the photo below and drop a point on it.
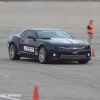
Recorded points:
(43, 57)
(83, 61)
(13, 52)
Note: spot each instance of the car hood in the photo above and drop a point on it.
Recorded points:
(64, 41)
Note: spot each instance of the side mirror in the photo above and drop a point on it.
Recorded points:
(31, 37)
(73, 37)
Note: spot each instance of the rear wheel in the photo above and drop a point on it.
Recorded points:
(43, 55)
(83, 61)
(13, 52)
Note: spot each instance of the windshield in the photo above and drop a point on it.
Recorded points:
(53, 34)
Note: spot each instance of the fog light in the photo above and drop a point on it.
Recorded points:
(54, 55)
(88, 54)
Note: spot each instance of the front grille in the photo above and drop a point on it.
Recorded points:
(73, 56)
(75, 48)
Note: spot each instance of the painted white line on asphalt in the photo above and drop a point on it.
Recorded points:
(4, 75)
(9, 98)
(73, 72)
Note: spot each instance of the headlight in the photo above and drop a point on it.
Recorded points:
(87, 47)
(62, 48)
(56, 47)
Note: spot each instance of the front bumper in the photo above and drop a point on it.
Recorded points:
(69, 56)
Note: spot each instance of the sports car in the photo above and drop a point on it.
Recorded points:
(46, 45)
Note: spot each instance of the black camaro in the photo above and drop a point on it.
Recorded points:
(46, 44)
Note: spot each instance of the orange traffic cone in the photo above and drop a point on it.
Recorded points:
(92, 52)
(36, 94)
(8, 31)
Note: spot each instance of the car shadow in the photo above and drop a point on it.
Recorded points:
(51, 62)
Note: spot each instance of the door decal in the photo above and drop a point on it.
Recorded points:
(29, 49)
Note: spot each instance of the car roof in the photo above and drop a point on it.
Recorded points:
(36, 29)
(42, 29)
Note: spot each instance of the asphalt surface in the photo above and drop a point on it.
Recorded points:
(55, 81)
(49, 14)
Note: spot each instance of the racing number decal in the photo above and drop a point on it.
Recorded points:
(29, 49)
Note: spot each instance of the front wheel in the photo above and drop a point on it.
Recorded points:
(43, 55)
(13, 52)
(83, 61)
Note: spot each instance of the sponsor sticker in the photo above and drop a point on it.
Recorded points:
(36, 53)
(35, 48)
(27, 41)
(29, 49)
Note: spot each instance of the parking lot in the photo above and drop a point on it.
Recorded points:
(57, 80)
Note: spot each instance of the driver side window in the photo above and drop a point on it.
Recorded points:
(28, 33)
